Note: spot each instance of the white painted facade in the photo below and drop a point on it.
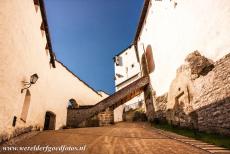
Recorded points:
(175, 28)
(22, 53)
(127, 70)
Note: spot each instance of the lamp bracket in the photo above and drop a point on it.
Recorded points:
(26, 87)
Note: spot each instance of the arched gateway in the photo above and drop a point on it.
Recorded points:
(50, 120)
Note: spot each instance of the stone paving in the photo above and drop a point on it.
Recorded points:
(196, 143)
(122, 138)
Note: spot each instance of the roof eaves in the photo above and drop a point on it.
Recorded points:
(52, 54)
(44, 18)
(123, 50)
(104, 92)
(141, 20)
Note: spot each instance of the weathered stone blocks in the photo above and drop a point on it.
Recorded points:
(199, 95)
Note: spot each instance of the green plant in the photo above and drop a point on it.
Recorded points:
(139, 115)
(216, 139)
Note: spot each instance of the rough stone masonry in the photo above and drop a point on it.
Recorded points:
(199, 96)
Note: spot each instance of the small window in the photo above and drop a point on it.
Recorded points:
(118, 61)
(42, 27)
(36, 4)
(175, 4)
(119, 75)
(14, 121)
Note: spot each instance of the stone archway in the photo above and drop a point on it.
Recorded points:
(50, 121)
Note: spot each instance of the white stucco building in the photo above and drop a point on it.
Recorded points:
(175, 28)
(127, 70)
(26, 49)
(168, 30)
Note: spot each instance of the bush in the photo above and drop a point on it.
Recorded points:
(139, 116)
(216, 139)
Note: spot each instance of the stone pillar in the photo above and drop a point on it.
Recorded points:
(106, 117)
(148, 94)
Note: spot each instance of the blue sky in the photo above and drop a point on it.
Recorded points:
(87, 34)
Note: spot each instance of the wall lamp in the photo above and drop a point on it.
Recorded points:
(33, 80)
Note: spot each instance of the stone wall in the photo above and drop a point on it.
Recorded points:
(212, 98)
(199, 95)
(76, 117)
(215, 86)
(160, 103)
(114, 100)
(215, 117)
(72, 115)
(194, 24)
(104, 118)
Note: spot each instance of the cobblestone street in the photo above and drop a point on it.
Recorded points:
(133, 138)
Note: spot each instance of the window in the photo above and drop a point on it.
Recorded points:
(36, 4)
(26, 106)
(119, 75)
(118, 61)
(14, 121)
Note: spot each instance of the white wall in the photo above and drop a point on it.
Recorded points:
(129, 58)
(22, 53)
(103, 94)
(174, 32)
